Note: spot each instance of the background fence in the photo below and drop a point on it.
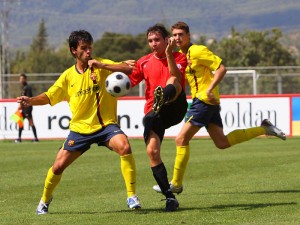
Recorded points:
(238, 81)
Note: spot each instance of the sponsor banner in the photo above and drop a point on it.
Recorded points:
(237, 113)
(296, 116)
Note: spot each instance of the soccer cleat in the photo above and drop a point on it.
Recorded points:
(18, 140)
(35, 140)
(171, 204)
(174, 189)
(43, 207)
(133, 202)
(271, 130)
(159, 99)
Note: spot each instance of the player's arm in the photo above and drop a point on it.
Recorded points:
(26, 101)
(218, 76)
(173, 69)
(125, 67)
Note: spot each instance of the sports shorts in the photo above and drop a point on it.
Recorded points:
(27, 112)
(169, 115)
(201, 114)
(82, 142)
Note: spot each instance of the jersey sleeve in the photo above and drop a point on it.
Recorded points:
(207, 58)
(182, 63)
(56, 93)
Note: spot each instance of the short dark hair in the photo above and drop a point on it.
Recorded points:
(77, 36)
(160, 29)
(182, 26)
(23, 75)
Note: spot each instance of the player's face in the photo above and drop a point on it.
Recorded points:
(22, 80)
(83, 52)
(181, 37)
(157, 43)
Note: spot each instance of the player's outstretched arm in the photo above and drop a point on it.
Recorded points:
(125, 67)
(41, 99)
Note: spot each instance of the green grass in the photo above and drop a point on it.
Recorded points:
(257, 182)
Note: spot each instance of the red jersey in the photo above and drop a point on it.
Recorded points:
(155, 72)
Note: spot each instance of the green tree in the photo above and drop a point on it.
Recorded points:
(253, 49)
(41, 59)
(119, 47)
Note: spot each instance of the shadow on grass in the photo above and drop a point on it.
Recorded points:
(247, 206)
(275, 191)
(207, 209)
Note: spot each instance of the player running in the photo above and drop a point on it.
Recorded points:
(205, 108)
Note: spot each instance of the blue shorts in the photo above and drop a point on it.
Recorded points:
(82, 142)
(201, 114)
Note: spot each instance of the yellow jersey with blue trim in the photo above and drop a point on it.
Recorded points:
(199, 72)
(92, 107)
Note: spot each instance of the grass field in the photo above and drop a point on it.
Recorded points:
(257, 182)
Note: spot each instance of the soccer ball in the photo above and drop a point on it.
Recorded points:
(117, 84)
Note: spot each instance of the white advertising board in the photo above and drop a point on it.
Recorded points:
(237, 113)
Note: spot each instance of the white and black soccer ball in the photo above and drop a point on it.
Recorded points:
(117, 84)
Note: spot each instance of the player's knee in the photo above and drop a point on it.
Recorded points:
(222, 146)
(123, 149)
(180, 141)
(58, 169)
(153, 154)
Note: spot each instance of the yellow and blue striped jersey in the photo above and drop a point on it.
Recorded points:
(91, 106)
(201, 63)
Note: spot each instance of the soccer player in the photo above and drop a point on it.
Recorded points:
(94, 116)
(163, 73)
(205, 108)
(26, 111)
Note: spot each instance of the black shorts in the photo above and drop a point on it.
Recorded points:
(169, 115)
(27, 112)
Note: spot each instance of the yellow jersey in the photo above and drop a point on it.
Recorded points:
(91, 106)
(201, 63)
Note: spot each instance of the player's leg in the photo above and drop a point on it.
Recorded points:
(63, 159)
(119, 143)
(73, 147)
(159, 170)
(30, 120)
(167, 94)
(182, 152)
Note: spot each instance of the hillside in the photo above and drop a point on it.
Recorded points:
(213, 18)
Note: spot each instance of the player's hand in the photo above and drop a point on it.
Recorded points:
(171, 45)
(93, 63)
(130, 62)
(211, 98)
(24, 101)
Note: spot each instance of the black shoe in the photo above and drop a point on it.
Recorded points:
(159, 99)
(171, 204)
(18, 140)
(35, 140)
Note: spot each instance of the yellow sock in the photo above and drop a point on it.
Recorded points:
(238, 136)
(129, 173)
(181, 160)
(50, 183)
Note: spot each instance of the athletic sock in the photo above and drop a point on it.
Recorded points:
(181, 160)
(20, 132)
(129, 173)
(242, 135)
(34, 131)
(50, 183)
(169, 92)
(161, 177)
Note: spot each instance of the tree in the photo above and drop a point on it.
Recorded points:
(253, 49)
(119, 47)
